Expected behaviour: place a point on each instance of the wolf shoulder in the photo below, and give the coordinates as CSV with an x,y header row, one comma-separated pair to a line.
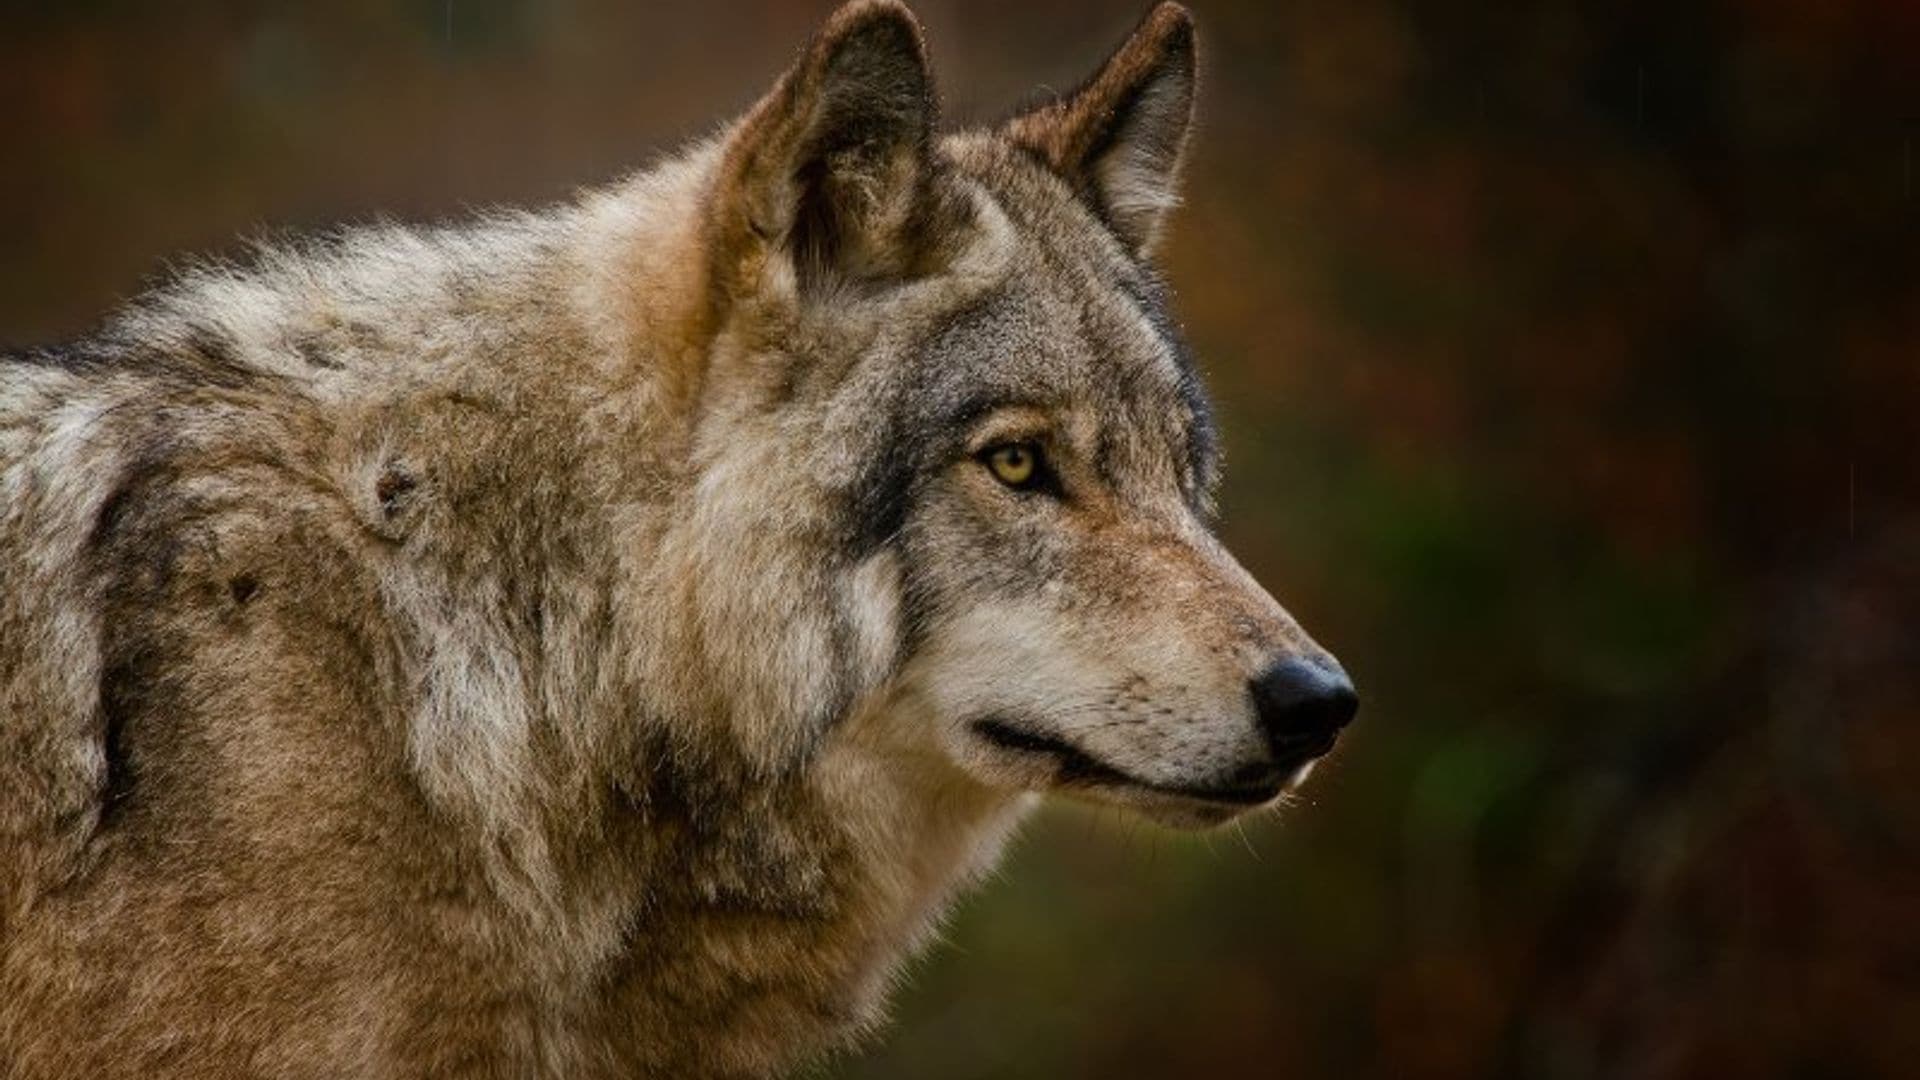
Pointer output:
x,y
231,479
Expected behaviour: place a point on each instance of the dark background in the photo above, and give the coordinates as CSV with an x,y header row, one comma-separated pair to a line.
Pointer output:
x,y
1568,357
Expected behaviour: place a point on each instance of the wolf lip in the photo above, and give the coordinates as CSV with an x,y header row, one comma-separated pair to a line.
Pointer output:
x,y
1077,768
1075,764
1236,796
1291,754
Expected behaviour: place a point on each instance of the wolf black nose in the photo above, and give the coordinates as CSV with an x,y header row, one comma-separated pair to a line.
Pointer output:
x,y
1303,704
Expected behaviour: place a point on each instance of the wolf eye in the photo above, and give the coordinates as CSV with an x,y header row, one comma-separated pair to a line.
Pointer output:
x,y
1016,465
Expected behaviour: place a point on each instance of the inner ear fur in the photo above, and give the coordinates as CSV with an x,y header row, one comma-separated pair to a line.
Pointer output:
x,y
833,170
1121,139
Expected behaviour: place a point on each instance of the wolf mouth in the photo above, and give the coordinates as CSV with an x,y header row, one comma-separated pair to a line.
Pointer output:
x,y
1077,768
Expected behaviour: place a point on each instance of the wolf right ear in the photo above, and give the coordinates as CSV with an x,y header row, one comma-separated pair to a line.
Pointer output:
x,y
832,169
1121,138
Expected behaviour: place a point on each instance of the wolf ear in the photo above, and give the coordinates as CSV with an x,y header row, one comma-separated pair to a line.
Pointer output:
x,y
831,170
1121,138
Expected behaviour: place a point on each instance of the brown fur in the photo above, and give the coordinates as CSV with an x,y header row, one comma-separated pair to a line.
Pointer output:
x,y
562,645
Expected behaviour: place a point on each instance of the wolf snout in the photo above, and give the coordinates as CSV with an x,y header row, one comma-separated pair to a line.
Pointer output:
x,y
1302,704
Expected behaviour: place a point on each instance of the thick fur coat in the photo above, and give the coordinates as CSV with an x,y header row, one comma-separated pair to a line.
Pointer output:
x,y
599,641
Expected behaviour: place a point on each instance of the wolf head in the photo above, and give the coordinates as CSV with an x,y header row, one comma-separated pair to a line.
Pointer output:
x,y
951,451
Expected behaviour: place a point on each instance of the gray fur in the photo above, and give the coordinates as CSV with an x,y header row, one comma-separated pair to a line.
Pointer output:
x,y
588,642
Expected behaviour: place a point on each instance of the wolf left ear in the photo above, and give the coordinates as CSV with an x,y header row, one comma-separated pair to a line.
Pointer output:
x,y
1121,138
832,169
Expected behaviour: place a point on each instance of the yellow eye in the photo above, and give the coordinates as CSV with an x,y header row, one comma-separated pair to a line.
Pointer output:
x,y
1015,463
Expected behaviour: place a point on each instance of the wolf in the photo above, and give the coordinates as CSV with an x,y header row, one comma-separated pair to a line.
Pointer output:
x,y
601,641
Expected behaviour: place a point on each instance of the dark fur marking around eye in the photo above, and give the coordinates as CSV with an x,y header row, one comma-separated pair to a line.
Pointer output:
x,y
883,495
914,441
1045,480
971,410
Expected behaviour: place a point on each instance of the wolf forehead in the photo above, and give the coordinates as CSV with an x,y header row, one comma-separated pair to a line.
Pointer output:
x,y
1071,322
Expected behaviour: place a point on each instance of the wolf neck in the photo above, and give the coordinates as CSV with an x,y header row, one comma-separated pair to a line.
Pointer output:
x,y
762,906
773,918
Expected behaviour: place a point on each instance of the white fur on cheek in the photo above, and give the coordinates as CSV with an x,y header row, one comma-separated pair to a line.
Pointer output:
x,y
1146,701
996,648
1000,660
871,605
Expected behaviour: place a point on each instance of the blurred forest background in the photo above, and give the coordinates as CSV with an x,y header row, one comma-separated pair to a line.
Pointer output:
x,y
1568,355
